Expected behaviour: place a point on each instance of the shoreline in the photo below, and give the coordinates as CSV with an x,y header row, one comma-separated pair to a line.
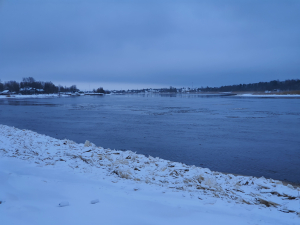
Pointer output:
x,y
285,183
32,96
209,94
45,151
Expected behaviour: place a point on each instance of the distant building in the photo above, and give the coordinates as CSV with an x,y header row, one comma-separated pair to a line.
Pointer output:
x,y
5,92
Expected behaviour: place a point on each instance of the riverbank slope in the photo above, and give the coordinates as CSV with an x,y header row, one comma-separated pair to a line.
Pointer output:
x,y
91,184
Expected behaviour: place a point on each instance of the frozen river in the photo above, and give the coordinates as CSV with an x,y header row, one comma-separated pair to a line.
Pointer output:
x,y
249,136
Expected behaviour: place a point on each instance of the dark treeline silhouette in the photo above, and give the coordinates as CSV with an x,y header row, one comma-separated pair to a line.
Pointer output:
x,y
169,90
99,90
287,85
29,85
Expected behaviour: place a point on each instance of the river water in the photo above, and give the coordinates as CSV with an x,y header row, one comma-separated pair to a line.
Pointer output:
x,y
249,136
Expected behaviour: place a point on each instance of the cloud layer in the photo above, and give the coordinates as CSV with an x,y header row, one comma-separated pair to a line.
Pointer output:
x,y
156,42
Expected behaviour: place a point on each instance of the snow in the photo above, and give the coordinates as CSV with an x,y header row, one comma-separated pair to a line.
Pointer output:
x,y
270,95
33,96
49,181
62,95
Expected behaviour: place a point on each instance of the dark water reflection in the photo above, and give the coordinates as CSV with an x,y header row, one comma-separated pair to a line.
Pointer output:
x,y
250,136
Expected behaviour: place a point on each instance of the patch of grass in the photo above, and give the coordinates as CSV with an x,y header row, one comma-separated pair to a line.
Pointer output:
x,y
123,174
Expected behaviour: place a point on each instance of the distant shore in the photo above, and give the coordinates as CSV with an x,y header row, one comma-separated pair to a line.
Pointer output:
x,y
224,94
33,96
45,95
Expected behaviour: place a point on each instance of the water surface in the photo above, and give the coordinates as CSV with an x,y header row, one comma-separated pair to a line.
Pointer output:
x,y
249,136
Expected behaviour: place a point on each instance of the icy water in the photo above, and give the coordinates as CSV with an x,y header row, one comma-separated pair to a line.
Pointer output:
x,y
249,136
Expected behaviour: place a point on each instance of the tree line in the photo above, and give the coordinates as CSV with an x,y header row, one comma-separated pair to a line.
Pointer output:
x,y
49,87
287,85
29,82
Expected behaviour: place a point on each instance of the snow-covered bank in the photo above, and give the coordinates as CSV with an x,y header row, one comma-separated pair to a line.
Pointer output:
x,y
38,172
270,95
33,96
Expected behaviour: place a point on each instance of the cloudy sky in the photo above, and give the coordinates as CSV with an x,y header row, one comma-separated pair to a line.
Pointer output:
x,y
137,44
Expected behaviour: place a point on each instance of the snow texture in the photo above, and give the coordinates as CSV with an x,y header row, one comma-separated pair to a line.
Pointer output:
x,y
37,170
33,96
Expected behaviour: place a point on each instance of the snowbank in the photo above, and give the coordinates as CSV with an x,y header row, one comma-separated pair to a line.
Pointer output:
x,y
33,96
270,95
37,173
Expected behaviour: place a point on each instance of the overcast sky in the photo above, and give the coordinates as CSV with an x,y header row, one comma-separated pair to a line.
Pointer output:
x,y
137,44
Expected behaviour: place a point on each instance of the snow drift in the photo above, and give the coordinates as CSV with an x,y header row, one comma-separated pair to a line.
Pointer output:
x,y
198,183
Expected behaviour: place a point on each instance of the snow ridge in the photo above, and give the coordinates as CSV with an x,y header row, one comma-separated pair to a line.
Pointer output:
x,y
178,177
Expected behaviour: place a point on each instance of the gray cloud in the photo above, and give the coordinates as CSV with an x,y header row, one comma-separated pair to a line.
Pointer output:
x,y
168,43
